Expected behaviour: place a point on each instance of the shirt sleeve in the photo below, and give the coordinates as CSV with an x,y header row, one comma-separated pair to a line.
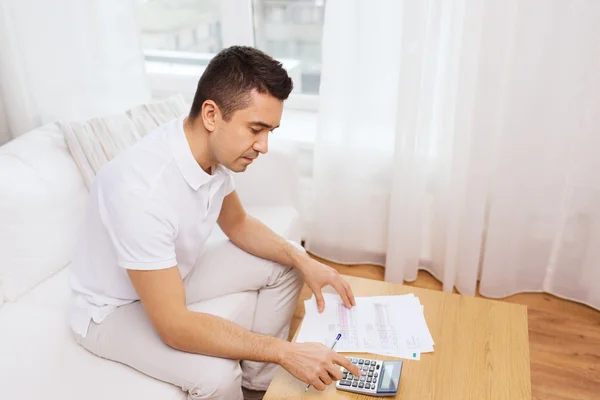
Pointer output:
x,y
141,230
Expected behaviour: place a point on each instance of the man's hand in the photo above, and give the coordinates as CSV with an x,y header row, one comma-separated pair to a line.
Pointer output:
x,y
315,364
252,236
318,275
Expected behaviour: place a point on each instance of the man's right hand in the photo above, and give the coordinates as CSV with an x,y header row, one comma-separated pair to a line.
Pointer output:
x,y
314,363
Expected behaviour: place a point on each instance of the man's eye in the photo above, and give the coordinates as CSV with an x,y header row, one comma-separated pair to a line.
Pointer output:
x,y
255,130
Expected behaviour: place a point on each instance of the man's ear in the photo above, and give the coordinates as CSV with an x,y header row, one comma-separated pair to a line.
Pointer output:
x,y
210,113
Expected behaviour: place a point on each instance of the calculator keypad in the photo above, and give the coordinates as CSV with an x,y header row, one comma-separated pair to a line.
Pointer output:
x,y
367,382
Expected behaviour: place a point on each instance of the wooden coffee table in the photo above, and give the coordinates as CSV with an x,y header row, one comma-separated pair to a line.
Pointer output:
x,y
481,351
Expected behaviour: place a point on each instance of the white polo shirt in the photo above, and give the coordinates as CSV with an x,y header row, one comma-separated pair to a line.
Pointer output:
x,y
152,207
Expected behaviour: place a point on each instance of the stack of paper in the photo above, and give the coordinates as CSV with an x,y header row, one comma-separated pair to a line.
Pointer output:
x,y
389,325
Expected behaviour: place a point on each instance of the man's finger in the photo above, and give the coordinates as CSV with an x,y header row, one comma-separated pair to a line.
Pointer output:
x,y
325,378
320,301
318,384
335,372
350,294
344,362
339,287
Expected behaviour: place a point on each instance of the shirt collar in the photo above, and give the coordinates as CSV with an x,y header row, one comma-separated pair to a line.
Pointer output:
x,y
194,175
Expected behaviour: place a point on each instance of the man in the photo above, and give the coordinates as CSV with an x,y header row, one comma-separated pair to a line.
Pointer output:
x,y
151,211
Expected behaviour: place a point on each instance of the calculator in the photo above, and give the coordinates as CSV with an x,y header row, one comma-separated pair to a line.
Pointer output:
x,y
379,378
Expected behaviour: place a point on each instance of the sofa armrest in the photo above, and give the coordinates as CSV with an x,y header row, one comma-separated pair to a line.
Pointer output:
x,y
42,205
271,180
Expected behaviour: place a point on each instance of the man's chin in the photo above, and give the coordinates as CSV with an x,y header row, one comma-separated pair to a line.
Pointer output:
x,y
236,167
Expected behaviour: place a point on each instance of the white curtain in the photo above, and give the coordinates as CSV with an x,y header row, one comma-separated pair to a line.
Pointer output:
x,y
462,137
67,59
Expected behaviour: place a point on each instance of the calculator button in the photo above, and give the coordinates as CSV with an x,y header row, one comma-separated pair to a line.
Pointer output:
x,y
373,363
373,386
354,384
356,378
354,361
363,378
361,361
370,374
377,366
345,375
345,383
361,385
375,375
372,369
369,380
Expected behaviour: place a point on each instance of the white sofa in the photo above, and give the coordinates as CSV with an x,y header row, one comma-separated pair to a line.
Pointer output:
x,y
42,202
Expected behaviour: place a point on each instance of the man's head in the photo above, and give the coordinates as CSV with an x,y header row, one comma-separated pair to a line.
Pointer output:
x,y
239,100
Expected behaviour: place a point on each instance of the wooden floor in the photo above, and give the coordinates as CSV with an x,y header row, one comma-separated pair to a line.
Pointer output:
x,y
564,338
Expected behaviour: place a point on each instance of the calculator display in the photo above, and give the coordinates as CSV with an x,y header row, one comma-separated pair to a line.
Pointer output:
x,y
389,377
386,379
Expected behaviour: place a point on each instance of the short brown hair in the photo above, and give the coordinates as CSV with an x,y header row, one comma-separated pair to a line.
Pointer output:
x,y
233,73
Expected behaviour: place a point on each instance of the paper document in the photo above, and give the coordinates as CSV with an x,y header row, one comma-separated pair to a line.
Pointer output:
x,y
389,325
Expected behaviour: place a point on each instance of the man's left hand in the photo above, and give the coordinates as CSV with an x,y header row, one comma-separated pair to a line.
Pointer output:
x,y
318,275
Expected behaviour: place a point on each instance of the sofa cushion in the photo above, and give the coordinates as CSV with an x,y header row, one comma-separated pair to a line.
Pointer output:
x,y
95,142
40,358
283,220
42,206
52,294
147,117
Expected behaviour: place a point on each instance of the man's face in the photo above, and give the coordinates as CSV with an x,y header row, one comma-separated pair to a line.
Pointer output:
x,y
237,142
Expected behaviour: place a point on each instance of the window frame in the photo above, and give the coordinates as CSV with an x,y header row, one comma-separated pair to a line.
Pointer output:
x,y
172,72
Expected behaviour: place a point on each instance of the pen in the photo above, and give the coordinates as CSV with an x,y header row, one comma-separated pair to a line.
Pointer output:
x,y
332,346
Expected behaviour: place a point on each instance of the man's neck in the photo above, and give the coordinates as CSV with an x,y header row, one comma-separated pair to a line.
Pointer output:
x,y
197,138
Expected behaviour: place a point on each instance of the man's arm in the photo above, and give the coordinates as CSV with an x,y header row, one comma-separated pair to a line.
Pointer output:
x,y
162,294
251,235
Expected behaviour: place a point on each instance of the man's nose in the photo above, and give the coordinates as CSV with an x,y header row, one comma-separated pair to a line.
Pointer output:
x,y
262,144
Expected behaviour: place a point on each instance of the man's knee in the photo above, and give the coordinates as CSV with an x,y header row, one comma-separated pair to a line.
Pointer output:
x,y
288,277
297,245
222,381
298,277
291,278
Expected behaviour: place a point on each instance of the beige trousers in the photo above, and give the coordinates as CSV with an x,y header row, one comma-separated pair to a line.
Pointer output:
x,y
127,335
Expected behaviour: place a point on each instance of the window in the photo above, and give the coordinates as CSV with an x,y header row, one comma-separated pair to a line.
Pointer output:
x,y
292,29
180,37
180,25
